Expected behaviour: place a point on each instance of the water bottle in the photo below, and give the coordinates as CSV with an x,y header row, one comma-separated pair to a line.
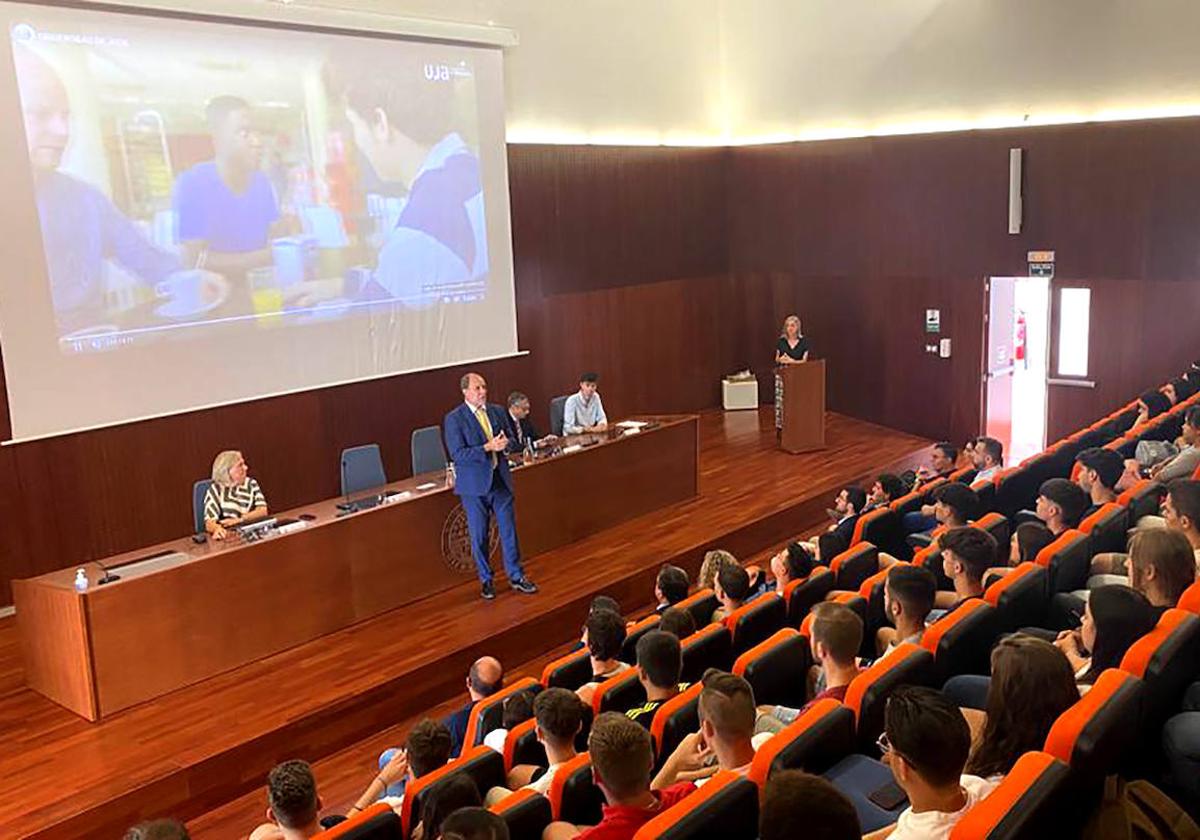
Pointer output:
x,y
450,474
81,580
528,457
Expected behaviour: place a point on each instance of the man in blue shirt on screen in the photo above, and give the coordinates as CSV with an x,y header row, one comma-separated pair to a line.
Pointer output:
x,y
227,207
81,228
403,123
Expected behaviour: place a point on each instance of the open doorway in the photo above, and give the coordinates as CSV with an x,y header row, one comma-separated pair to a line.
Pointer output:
x,y
1016,365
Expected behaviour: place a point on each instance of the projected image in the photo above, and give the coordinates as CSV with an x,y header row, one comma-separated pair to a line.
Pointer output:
x,y
196,184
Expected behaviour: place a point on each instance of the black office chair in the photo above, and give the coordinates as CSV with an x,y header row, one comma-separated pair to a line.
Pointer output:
x,y
558,407
428,454
362,469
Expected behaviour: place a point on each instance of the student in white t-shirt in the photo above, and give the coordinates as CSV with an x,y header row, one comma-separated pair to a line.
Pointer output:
x,y
926,741
559,715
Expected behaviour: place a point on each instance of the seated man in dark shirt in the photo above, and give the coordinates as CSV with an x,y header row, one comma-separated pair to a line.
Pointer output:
x,y
1060,504
659,663
486,677
848,505
670,587
886,489
1099,471
732,588
967,554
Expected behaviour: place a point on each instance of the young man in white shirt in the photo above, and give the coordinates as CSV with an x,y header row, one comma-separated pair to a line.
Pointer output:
x,y
559,716
926,741
584,412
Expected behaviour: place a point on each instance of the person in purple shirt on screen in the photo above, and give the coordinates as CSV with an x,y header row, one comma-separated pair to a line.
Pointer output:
x,y
403,125
227,208
81,229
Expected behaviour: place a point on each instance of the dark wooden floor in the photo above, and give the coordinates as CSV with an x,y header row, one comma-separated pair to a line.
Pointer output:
x,y
201,753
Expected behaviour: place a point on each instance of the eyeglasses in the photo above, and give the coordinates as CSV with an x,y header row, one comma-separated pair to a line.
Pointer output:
x,y
885,746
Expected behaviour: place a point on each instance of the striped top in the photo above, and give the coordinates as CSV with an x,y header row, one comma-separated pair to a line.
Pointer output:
x,y
225,502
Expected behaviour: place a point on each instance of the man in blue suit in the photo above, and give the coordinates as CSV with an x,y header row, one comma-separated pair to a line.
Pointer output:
x,y
476,437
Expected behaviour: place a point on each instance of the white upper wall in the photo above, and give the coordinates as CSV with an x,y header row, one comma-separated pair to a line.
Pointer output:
x,y
720,71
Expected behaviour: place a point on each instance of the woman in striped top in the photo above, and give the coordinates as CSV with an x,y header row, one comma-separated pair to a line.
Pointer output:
x,y
234,496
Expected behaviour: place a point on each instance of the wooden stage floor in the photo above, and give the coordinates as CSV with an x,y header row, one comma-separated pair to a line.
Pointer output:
x,y
202,753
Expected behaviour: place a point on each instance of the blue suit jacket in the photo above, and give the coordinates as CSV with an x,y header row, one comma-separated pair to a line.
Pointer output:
x,y
464,441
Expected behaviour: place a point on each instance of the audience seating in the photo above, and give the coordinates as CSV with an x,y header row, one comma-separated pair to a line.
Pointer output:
x,y
484,765
930,558
1190,599
1029,802
708,647
1107,528
378,822
963,475
526,813
1167,660
854,565
573,794
882,528
817,740
961,641
1142,499
851,599
755,621
701,604
777,669
633,634
996,525
872,591
619,694
1095,735
1020,598
488,713
726,806
1066,561
985,489
521,746
570,671
867,695
802,595
674,719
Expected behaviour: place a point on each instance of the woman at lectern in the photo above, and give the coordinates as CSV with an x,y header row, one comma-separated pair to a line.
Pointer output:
x,y
792,346
234,496
792,349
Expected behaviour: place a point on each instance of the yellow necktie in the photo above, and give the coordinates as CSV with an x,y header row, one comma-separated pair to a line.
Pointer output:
x,y
481,416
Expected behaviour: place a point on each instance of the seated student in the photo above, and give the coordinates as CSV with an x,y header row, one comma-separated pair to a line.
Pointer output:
x,y
1026,542
670,587
726,740
1011,712
846,507
1099,471
908,595
967,554
583,412
516,709
233,498
659,664
1150,404
988,458
837,634
559,714
457,792
954,505
1115,618
1180,512
426,749
678,622
1060,504
713,562
942,460
605,633
1184,463
622,762
293,806
166,829
794,798
927,743
485,678
886,489
793,563
474,824
732,589
1178,389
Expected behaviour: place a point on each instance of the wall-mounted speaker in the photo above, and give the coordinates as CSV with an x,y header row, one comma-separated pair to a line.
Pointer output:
x,y
1015,157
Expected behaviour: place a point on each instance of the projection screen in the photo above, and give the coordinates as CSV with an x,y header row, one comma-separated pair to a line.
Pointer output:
x,y
199,213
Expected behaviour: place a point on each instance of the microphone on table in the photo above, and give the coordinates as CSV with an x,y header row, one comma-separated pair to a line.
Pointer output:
x,y
107,577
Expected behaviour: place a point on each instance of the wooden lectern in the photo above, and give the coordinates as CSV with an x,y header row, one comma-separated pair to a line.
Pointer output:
x,y
803,406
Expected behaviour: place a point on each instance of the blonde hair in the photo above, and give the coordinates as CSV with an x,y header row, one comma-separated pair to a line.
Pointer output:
x,y
788,320
222,464
714,561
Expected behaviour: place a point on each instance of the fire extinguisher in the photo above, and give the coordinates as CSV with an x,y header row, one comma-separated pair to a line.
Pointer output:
x,y
1019,340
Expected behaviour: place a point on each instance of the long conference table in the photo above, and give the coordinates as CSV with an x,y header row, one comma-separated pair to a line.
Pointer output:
x,y
182,612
